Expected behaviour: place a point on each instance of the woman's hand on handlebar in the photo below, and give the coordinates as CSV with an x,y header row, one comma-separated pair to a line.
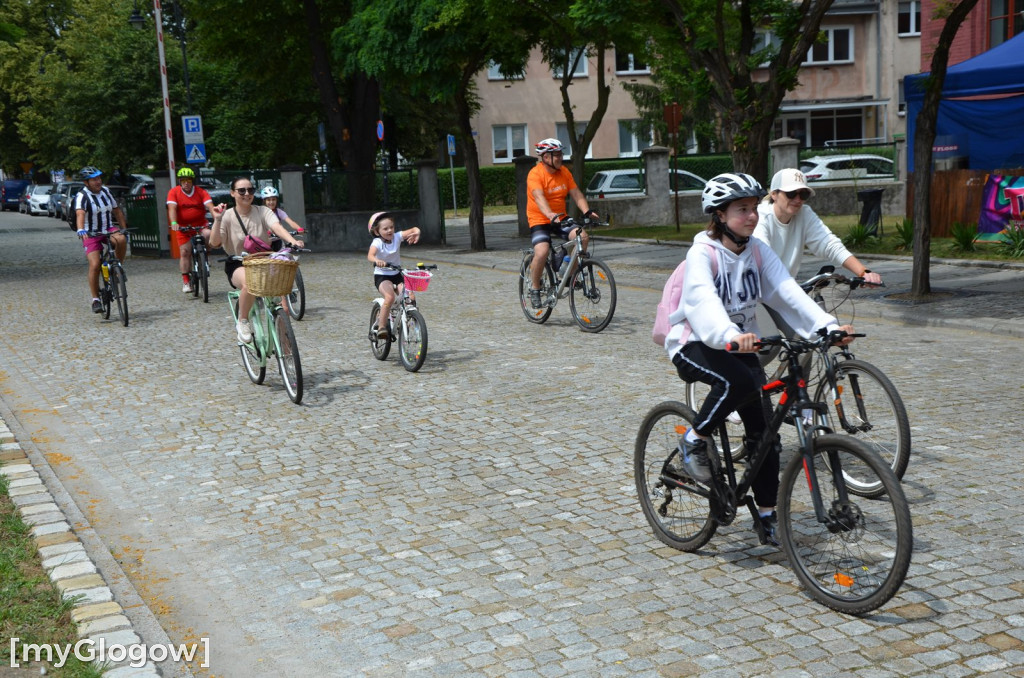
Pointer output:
x,y
743,343
848,338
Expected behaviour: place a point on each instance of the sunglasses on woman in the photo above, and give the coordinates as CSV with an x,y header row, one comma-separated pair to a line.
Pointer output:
x,y
803,193
244,190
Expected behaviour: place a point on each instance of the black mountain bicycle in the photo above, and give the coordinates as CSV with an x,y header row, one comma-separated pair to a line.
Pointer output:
x,y
113,289
199,273
850,553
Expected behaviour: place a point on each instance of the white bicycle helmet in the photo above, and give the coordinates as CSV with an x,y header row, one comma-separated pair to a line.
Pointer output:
x,y
549,146
724,188
269,192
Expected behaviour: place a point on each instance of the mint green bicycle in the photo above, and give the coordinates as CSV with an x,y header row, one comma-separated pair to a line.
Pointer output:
x,y
272,335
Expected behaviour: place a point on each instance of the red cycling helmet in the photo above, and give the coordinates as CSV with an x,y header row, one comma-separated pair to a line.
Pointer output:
x,y
375,218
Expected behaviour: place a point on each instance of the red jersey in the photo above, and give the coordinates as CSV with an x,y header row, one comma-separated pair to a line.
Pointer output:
x,y
191,208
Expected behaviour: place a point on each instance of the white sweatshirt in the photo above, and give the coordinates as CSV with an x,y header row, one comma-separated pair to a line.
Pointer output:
x,y
806,229
717,309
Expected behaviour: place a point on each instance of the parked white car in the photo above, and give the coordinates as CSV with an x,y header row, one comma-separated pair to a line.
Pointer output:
x,y
846,167
39,198
629,183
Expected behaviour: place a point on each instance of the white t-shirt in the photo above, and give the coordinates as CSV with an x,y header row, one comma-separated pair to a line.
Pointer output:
x,y
388,251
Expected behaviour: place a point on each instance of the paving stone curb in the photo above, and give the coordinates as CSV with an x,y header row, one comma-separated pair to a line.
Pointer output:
x,y
64,558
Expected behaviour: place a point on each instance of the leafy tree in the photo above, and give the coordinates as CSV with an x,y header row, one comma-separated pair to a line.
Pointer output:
x,y
720,41
436,47
924,138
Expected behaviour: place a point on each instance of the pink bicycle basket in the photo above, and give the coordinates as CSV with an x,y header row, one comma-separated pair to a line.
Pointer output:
x,y
417,281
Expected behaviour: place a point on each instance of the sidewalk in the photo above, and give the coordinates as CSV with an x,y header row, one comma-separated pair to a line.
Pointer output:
x,y
970,295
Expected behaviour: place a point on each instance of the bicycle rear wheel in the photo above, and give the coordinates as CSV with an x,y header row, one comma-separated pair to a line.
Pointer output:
x,y
120,291
547,279
288,356
252,360
679,516
412,341
857,560
380,346
874,413
592,296
296,301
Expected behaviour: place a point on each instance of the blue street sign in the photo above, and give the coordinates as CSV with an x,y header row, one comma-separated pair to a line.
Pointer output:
x,y
380,130
195,153
451,144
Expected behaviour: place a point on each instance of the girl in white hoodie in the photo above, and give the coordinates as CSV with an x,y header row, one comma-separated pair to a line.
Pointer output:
x,y
717,307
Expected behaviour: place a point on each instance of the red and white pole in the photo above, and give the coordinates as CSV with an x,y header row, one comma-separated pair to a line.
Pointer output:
x,y
158,15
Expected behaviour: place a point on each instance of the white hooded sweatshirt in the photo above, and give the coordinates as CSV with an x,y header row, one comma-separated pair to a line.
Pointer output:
x,y
716,309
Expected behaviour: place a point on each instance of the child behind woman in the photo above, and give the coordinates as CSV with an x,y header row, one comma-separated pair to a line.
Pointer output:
x,y
383,251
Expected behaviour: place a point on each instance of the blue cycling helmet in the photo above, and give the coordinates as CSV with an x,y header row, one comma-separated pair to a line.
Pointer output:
x,y
89,172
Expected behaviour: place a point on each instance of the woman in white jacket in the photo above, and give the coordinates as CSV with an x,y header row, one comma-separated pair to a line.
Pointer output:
x,y
718,306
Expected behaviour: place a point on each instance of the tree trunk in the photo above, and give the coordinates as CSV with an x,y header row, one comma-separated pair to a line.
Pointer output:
x,y
924,138
324,79
581,143
477,241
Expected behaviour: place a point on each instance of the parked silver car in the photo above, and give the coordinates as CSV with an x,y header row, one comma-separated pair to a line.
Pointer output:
x,y
67,196
38,198
846,167
629,183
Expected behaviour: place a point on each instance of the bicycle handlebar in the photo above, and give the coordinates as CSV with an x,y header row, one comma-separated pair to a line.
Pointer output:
x,y
823,279
799,345
419,267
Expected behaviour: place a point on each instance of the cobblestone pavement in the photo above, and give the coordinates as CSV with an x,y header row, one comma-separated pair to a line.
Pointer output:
x,y
478,517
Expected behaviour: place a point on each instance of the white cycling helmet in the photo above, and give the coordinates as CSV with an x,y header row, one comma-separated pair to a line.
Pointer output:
x,y
269,192
724,188
549,146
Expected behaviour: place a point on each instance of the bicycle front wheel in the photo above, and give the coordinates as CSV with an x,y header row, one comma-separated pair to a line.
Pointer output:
x,y
288,356
203,274
106,297
592,296
120,291
547,279
873,412
855,560
296,301
678,514
412,341
380,346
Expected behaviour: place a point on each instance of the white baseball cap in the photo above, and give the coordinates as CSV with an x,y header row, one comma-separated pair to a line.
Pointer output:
x,y
790,180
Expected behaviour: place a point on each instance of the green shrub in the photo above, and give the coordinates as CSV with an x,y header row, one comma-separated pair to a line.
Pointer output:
x,y
1013,239
963,236
858,235
905,234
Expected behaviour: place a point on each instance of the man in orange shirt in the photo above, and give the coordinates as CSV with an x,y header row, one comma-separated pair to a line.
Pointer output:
x,y
547,186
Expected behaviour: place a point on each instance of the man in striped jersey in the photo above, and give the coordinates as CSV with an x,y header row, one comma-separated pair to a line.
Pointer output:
x,y
95,212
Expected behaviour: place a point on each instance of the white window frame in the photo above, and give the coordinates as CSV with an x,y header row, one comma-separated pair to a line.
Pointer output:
x,y
832,60
581,67
506,131
763,39
494,73
562,134
624,129
631,69
915,18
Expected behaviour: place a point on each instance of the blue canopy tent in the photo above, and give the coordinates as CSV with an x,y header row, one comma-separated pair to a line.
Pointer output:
x,y
981,115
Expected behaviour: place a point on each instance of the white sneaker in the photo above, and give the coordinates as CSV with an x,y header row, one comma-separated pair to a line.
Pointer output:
x,y
244,330
734,418
186,288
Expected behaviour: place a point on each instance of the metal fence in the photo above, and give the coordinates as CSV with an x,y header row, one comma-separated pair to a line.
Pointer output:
x,y
342,191
140,211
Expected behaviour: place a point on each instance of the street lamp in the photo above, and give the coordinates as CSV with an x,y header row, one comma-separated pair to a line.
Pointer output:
x,y
138,22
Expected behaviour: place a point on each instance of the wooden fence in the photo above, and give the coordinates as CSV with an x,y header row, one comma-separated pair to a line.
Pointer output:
x,y
956,197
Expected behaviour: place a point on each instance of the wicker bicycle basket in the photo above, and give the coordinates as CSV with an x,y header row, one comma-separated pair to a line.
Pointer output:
x,y
266,277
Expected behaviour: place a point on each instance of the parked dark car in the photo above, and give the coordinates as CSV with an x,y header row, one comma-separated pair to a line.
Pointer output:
x,y
143,188
67,196
53,205
11,191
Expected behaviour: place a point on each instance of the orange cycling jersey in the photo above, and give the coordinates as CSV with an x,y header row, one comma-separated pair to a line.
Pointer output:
x,y
555,185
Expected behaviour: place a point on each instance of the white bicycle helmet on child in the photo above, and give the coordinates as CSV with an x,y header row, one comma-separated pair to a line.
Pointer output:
x,y
724,188
269,192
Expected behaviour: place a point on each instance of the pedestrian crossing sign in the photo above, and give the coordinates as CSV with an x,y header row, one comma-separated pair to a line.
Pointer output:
x,y
195,153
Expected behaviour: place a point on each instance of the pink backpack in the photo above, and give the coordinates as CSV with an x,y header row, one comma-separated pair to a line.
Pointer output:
x,y
674,291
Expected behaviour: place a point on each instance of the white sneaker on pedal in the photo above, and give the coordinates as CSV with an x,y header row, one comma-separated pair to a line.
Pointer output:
x,y
186,288
244,330
734,418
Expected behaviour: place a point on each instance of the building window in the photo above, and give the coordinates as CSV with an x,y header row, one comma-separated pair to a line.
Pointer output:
x,y
629,144
909,21
509,142
628,64
494,73
1006,19
562,132
835,47
836,125
581,65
